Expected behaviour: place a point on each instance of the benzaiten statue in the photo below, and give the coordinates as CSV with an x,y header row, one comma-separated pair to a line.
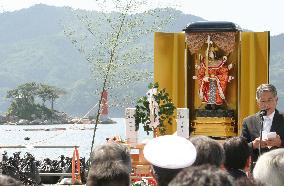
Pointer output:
x,y
213,76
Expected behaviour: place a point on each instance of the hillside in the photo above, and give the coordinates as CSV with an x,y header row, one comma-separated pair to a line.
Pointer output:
x,y
33,47
276,70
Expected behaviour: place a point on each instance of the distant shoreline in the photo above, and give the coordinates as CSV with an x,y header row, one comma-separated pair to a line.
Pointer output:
x,y
69,122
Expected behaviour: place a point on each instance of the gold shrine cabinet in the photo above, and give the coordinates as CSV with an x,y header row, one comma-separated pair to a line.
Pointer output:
x,y
178,58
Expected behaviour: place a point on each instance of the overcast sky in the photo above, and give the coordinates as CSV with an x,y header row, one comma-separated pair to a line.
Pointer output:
x,y
256,15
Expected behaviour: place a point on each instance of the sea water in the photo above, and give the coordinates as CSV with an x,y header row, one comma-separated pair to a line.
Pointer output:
x,y
61,135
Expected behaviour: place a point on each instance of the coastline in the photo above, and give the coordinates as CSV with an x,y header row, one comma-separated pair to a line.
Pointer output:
x,y
22,122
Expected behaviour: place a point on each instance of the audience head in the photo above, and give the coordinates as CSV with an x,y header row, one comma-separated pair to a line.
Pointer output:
x,y
203,175
269,168
168,155
236,153
110,166
209,151
9,181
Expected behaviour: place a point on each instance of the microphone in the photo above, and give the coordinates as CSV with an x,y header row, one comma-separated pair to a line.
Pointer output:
x,y
263,113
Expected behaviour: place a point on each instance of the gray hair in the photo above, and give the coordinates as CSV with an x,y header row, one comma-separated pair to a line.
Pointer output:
x,y
112,152
269,168
202,175
265,87
209,151
9,181
110,165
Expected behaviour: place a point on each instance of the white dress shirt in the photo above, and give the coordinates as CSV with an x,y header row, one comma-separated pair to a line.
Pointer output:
x,y
267,122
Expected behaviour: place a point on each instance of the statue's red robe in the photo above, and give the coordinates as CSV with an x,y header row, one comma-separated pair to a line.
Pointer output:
x,y
213,91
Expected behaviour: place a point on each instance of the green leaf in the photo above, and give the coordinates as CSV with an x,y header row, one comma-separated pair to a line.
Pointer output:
x,y
166,110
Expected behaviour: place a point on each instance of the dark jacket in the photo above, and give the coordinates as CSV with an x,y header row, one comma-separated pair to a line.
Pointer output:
x,y
252,126
236,173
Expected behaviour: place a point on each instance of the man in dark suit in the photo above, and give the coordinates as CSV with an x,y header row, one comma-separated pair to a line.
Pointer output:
x,y
273,121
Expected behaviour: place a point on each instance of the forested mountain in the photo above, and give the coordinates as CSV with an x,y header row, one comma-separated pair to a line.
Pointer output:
x,y
33,47
276,70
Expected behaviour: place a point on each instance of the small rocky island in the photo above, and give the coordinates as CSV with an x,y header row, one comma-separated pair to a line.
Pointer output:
x,y
28,107
59,118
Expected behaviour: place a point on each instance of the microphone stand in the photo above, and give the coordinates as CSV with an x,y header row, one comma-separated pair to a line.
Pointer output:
x,y
260,135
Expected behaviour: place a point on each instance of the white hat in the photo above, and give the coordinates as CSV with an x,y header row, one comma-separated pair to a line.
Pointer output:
x,y
169,151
